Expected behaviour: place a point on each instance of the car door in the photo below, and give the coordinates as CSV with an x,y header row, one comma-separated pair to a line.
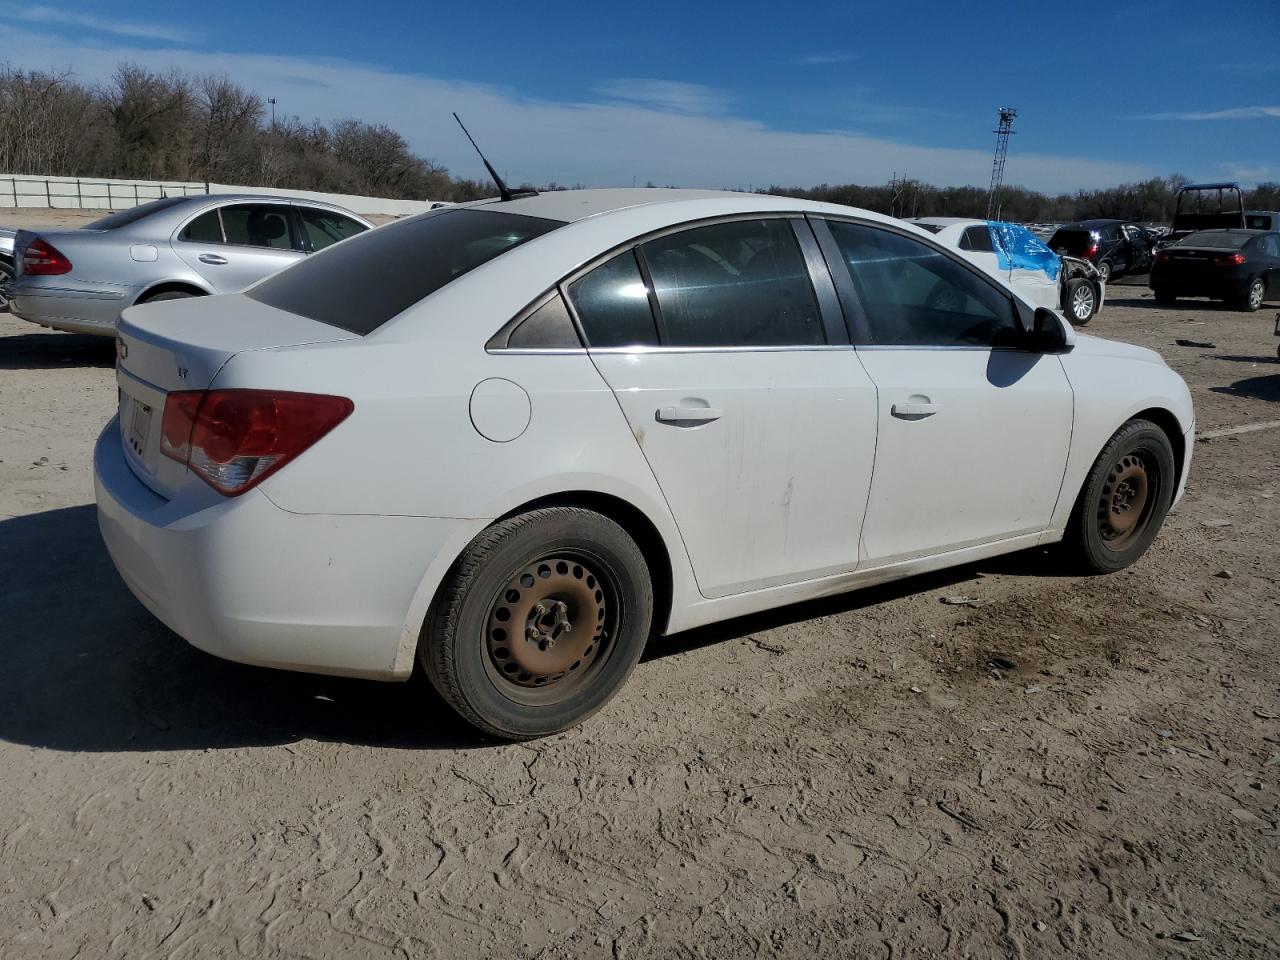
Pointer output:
x,y
973,431
256,240
737,380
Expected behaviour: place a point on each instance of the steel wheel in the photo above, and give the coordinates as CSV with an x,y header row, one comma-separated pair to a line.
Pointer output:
x,y
1082,302
1124,508
546,629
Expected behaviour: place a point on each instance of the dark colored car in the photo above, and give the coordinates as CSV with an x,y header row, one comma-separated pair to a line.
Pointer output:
x,y
1115,247
1238,266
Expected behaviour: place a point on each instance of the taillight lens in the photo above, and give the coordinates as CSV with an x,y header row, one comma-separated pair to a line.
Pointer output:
x,y
1230,260
1090,251
235,439
43,259
1163,256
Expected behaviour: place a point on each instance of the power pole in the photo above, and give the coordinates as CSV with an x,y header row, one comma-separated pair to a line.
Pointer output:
x,y
272,101
1002,132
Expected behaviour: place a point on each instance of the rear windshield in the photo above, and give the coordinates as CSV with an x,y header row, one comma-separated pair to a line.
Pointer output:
x,y
1217,239
123,218
362,283
1071,242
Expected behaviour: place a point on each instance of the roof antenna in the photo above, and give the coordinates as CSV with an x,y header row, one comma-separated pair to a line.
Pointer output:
x,y
504,191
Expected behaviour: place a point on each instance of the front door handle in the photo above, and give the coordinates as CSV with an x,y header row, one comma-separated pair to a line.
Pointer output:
x,y
914,411
212,258
687,415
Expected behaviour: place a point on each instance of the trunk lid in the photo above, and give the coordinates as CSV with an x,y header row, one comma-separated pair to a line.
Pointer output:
x,y
181,345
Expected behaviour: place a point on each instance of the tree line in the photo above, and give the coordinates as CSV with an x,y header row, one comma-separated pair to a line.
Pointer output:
x,y
147,125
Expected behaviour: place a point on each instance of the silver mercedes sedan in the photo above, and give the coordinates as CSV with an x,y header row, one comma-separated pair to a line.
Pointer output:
x,y
80,280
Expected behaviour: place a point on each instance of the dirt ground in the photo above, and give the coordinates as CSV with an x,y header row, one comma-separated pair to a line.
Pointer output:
x,y
847,778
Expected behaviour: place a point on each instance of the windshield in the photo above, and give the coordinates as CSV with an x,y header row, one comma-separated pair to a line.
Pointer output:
x,y
122,218
361,283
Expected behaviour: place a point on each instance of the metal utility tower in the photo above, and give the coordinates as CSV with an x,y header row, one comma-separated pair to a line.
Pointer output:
x,y
1002,132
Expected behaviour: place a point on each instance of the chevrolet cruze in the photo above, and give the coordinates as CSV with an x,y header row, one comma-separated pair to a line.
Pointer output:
x,y
510,440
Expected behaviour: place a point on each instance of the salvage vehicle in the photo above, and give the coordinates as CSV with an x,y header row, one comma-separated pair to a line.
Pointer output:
x,y
1116,247
508,440
1206,206
6,264
1240,267
168,249
1016,255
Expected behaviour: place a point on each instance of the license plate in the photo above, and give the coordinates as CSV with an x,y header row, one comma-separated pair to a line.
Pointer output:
x,y
139,427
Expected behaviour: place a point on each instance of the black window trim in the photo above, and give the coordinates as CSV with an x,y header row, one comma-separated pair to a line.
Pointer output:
x,y
832,322
500,341
859,332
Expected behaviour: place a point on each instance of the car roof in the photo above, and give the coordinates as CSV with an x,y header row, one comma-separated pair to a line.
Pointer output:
x,y
573,205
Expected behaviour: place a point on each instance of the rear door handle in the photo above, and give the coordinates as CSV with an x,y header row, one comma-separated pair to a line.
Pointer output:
x,y
212,258
914,411
685,415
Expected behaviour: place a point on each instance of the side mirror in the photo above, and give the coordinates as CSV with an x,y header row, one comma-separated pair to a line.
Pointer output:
x,y
1047,333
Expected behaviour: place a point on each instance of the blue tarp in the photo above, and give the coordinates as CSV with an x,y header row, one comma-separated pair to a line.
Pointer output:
x,y
1017,246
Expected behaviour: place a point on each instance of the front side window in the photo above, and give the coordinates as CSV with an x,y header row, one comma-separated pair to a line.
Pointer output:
x,y
206,228
613,304
257,225
744,283
359,285
915,295
324,228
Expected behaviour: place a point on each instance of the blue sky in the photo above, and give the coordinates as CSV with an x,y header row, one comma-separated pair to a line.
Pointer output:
x,y
733,94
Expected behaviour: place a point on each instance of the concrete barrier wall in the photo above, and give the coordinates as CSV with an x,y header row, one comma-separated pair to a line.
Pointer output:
x,y
80,193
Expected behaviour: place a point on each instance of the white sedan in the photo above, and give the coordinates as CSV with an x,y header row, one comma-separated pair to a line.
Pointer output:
x,y
1020,258
510,440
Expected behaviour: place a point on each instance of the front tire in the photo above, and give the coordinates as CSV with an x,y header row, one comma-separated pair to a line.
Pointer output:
x,y
1124,501
539,623
1081,301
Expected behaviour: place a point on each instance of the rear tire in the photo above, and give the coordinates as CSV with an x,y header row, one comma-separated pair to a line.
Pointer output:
x,y
169,295
1124,500
1081,301
1253,296
1105,269
495,644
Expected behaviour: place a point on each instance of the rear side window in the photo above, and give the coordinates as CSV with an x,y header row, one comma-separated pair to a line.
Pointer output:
x,y
257,225
914,295
360,285
206,228
324,228
743,283
548,328
977,238
613,304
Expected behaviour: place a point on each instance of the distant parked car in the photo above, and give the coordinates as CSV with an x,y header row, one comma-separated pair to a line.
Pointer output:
x,y
1115,247
1262,220
6,264
1017,256
80,280
1238,266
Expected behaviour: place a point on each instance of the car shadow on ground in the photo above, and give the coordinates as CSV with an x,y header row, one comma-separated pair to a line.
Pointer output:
x,y
1256,388
51,351
86,667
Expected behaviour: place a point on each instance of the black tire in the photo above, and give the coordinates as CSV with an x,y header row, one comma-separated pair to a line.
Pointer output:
x,y
1098,539
470,658
1164,297
1106,270
6,277
1254,294
169,295
1080,301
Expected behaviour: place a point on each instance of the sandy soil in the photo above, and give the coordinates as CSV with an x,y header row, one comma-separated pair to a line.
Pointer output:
x,y
844,778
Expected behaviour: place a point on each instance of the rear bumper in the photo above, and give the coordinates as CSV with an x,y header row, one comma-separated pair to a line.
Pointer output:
x,y
69,306
242,579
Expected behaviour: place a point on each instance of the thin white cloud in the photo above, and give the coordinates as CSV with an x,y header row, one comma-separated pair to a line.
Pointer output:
x,y
58,16
590,142
692,98
1231,113
822,59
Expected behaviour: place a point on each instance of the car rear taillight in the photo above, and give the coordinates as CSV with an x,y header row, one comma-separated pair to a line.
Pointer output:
x,y
1091,251
43,259
1163,256
1229,260
234,439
